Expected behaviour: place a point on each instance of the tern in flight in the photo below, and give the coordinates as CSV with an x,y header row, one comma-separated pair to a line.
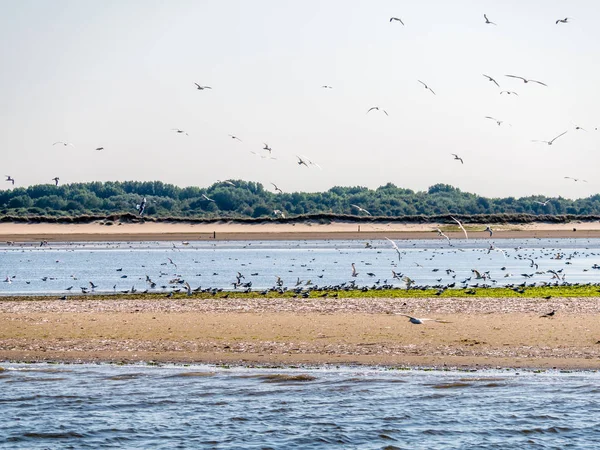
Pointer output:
x,y
234,137
417,321
229,182
541,203
396,19
440,233
565,20
304,160
509,93
457,157
354,272
277,188
98,149
55,179
395,248
488,21
499,122
491,79
551,141
566,178
267,148
426,87
461,227
376,108
178,131
63,143
207,198
525,80
326,87
361,209
10,179
489,230
301,161
201,88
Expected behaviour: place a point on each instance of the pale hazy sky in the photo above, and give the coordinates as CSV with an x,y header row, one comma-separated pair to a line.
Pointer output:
x,y
120,74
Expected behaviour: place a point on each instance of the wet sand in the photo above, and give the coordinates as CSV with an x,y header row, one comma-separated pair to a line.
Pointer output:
x,y
482,332
99,231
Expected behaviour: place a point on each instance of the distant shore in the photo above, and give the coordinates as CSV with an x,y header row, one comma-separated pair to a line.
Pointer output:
x,y
479,333
181,231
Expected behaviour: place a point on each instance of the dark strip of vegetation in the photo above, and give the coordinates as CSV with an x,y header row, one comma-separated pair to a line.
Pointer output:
x,y
243,200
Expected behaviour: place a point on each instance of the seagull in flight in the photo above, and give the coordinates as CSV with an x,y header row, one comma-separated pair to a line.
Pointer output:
x,y
277,188
304,160
361,209
326,87
229,182
426,87
417,321
565,20
487,21
440,233
354,272
234,137
551,141
301,161
567,178
99,149
395,246
396,19
207,198
491,79
525,80
509,93
267,148
178,131
542,203
55,179
10,179
457,157
499,122
201,88
577,128
63,143
376,108
489,230
461,227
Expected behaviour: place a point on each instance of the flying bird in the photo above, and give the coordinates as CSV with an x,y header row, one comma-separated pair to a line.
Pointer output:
x,y
178,131
63,143
457,157
304,160
55,179
426,87
440,233
10,179
567,178
277,188
267,148
207,198
565,20
551,141
461,227
99,149
235,137
509,93
489,230
361,209
301,161
201,88
487,21
396,19
491,79
376,108
229,182
525,80
354,272
541,203
395,246
141,207
499,122
417,321
326,87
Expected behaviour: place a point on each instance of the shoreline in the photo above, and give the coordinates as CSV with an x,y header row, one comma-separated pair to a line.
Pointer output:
x,y
98,231
476,333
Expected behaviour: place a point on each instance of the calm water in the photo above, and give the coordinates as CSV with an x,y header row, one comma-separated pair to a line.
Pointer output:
x,y
53,269
103,406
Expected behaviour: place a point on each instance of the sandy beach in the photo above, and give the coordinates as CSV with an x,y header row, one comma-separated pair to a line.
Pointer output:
x,y
152,231
482,332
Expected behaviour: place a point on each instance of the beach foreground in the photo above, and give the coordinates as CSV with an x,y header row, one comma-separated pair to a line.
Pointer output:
x,y
482,332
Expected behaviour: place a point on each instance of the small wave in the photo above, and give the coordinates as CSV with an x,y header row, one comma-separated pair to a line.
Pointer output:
x,y
192,375
281,377
456,385
33,380
60,435
386,437
545,430
239,419
125,376
38,370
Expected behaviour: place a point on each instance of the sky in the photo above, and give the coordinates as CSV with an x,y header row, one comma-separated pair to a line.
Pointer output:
x,y
121,74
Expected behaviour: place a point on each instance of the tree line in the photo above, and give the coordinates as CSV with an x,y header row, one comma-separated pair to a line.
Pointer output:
x,y
240,199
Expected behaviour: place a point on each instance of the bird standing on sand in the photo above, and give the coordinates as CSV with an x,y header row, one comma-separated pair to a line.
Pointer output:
x,y
417,321
489,230
550,314
55,179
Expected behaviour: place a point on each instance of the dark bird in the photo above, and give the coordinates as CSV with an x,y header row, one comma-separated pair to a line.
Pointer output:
x,y
509,93
326,87
178,131
491,79
235,137
141,207
55,179
426,87
396,19
277,188
99,149
63,143
301,161
10,179
550,314
376,108
267,148
552,140
488,20
499,122
457,157
201,88
565,20
525,80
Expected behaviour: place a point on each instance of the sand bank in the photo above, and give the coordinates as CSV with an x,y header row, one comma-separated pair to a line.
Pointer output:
x,y
483,332
271,231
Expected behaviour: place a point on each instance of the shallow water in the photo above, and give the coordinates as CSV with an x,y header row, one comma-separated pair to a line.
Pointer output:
x,y
31,269
105,406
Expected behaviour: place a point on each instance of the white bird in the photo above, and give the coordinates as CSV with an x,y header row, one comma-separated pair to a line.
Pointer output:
x,y
525,80
201,88
354,272
63,143
551,141
395,246
542,203
457,157
277,188
304,160
396,19
278,212
361,209
491,79
426,87
461,227
420,321
487,21
178,131
565,20
207,198
499,122
376,108
229,182
442,234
